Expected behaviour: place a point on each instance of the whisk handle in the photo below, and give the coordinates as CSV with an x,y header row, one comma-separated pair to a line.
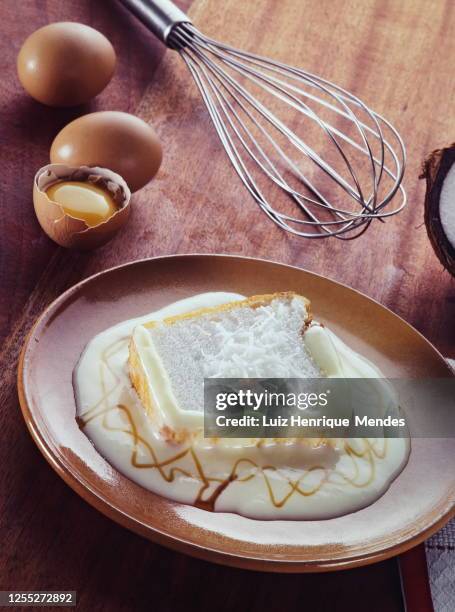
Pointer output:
x,y
159,16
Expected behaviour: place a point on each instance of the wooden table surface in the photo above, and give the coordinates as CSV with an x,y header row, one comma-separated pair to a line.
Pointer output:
x,y
398,56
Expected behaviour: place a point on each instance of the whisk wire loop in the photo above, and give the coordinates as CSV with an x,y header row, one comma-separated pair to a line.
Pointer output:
x,y
337,194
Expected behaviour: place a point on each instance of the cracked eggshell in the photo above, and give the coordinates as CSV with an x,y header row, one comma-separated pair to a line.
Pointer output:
x,y
66,230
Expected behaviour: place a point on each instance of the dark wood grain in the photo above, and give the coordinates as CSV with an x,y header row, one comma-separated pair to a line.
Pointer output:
x,y
416,585
399,58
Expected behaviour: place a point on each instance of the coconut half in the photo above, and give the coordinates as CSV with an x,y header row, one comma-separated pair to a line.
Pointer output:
x,y
439,172
61,227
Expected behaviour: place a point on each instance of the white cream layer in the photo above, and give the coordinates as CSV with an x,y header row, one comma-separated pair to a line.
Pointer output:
x,y
309,479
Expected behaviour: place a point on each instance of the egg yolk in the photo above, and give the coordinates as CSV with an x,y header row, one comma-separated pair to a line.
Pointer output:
x,y
83,201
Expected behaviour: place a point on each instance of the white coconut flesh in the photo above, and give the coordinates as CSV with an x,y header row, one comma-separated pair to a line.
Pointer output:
x,y
447,206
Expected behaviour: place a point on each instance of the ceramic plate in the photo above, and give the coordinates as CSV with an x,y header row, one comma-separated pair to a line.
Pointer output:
x,y
418,502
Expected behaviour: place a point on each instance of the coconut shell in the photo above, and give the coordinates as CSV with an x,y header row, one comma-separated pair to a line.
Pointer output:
x,y
435,170
66,230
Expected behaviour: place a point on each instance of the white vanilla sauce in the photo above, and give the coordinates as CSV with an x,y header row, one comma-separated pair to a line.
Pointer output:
x,y
295,479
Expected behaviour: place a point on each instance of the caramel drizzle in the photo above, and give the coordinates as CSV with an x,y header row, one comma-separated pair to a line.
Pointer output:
x,y
103,409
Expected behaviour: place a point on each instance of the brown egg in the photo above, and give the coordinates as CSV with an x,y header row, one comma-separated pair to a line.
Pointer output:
x,y
110,139
65,64
72,217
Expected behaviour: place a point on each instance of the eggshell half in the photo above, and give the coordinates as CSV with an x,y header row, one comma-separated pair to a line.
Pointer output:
x,y
66,230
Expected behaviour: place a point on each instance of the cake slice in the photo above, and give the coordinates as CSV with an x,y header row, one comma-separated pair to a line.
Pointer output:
x,y
259,337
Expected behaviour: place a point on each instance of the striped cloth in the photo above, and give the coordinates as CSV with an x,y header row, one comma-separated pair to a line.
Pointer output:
x,y
440,552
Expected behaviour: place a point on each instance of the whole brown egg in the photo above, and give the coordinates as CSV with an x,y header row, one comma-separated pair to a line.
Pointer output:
x,y
65,64
110,139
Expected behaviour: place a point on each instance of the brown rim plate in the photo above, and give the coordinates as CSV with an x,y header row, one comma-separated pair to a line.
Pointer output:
x,y
419,502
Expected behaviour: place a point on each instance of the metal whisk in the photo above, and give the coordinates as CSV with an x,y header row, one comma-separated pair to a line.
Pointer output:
x,y
338,177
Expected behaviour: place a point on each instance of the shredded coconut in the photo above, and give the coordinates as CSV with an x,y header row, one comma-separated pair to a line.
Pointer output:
x,y
263,342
